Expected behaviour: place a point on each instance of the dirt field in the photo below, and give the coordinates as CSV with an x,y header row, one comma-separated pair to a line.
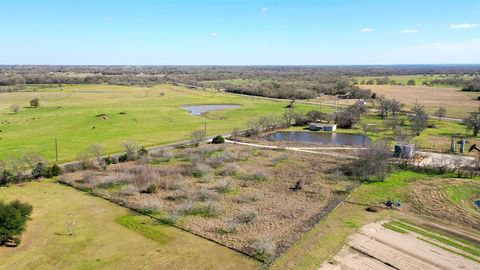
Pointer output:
x,y
430,198
376,247
458,103
253,209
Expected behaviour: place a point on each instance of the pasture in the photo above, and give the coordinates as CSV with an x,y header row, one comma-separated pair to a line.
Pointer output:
x,y
81,115
457,103
107,236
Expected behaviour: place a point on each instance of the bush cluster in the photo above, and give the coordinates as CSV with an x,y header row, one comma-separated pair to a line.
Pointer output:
x,y
13,218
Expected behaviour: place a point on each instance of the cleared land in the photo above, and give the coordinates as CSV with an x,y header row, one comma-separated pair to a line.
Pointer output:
x,y
256,201
458,103
107,236
402,246
326,238
80,115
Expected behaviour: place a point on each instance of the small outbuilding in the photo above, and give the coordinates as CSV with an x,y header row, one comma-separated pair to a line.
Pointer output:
x,y
322,127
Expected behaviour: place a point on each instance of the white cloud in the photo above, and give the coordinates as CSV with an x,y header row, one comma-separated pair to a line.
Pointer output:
x,y
366,30
408,31
462,26
214,34
264,9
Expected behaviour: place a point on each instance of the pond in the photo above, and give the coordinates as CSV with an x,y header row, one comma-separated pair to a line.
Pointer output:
x,y
477,202
318,137
201,109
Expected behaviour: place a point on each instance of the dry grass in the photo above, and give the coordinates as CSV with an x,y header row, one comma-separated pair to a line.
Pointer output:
x,y
458,103
255,199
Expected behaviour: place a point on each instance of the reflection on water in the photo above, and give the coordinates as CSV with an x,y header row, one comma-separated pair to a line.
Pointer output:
x,y
201,109
316,137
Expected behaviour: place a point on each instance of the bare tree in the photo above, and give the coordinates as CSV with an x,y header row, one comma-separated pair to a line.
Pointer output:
x,y
473,122
14,108
372,162
419,119
198,136
130,149
395,107
384,107
441,113
98,150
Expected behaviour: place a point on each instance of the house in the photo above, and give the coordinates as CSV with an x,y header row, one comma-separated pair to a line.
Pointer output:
x,y
323,127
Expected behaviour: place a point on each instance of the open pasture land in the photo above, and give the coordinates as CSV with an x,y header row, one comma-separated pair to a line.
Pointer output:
x,y
419,79
457,103
107,236
256,201
81,115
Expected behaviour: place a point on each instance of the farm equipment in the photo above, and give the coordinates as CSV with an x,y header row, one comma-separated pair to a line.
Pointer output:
x,y
473,147
392,204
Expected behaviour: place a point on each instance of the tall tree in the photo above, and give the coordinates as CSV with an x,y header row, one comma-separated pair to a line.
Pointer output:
x,y
473,122
441,113
418,119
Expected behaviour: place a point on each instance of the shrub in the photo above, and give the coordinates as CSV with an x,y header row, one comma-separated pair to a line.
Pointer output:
x,y
218,139
262,248
163,156
128,190
247,198
170,183
13,219
6,178
150,206
34,103
204,195
177,195
371,163
201,170
205,209
54,170
225,185
130,150
258,176
198,136
142,152
144,178
246,216
230,170
39,171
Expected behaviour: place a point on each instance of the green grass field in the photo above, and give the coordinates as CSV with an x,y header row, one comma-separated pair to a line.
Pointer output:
x,y
69,112
107,236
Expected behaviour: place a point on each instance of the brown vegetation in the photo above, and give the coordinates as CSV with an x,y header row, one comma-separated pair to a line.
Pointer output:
x,y
230,194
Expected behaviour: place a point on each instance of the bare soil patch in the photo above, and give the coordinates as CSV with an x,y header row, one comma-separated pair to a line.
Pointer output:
x,y
376,247
256,201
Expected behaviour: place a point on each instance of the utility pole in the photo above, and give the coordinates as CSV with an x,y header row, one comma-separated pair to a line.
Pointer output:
x,y
56,150
205,126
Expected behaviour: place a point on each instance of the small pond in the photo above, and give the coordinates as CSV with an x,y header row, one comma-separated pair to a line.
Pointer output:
x,y
477,202
201,109
319,137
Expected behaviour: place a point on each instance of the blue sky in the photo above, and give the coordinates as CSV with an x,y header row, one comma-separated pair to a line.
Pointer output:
x,y
239,32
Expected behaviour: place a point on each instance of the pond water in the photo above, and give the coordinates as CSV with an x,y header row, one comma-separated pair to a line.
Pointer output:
x,y
201,109
477,202
319,137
